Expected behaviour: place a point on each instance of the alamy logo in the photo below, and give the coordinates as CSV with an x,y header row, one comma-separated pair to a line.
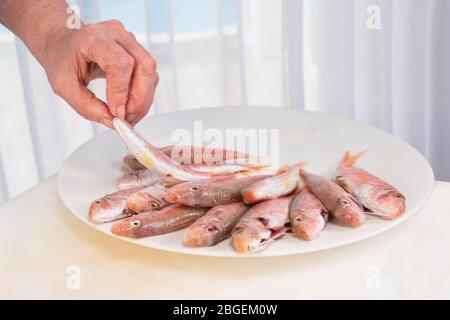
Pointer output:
x,y
261,143
73,20
373,21
73,281
373,281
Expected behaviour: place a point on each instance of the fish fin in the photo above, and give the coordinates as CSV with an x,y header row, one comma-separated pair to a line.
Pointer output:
x,y
356,201
286,167
251,167
349,160
300,186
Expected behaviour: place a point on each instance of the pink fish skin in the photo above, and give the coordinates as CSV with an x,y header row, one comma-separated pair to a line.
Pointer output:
x,y
111,207
308,216
375,194
223,169
138,178
151,157
338,202
215,225
154,223
273,187
262,224
196,155
210,192
148,199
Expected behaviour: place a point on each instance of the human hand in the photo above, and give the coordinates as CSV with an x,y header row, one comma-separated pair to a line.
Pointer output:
x,y
72,58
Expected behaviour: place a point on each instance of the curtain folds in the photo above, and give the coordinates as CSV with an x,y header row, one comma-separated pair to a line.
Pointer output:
x,y
393,77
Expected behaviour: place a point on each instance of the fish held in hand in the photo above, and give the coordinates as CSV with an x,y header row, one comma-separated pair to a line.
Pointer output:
x,y
215,225
210,192
148,199
274,187
375,194
151,157
112,206
132,164
338,202
154,223
262,224
308,216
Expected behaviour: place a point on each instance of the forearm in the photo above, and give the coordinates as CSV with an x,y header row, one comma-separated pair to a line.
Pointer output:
x,y
35,22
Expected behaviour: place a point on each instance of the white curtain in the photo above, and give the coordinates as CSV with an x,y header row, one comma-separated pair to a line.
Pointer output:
x,y
395,77
382,62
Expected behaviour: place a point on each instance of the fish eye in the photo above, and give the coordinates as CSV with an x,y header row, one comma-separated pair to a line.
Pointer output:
x,y
211,228
97,201
135,223
398,195
154,205
344,201
194,188
263,220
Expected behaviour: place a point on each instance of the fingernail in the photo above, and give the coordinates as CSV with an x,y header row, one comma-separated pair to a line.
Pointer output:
x,y
120,112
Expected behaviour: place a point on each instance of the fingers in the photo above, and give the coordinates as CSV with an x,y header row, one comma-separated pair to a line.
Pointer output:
x,y
143,81
130,71
118,66
84,101
138,117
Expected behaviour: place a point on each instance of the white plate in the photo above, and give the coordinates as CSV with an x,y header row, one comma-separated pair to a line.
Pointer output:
x,y
92,170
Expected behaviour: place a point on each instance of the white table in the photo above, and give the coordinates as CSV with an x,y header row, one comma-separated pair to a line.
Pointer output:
x,y
47,253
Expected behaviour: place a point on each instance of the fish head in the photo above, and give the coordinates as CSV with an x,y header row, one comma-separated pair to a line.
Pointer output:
x,y
391,203
107,209
201,235
140,203
130,227
189,193
250,238
348,208
306,227
252,194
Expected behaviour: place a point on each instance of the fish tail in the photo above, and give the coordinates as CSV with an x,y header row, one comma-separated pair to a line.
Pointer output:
x,y
301,165
349,160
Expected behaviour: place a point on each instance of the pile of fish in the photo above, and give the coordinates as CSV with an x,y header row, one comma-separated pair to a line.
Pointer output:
x,y
218,193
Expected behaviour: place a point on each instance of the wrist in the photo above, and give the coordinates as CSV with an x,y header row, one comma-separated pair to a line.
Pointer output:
x,y
41,25
49,43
